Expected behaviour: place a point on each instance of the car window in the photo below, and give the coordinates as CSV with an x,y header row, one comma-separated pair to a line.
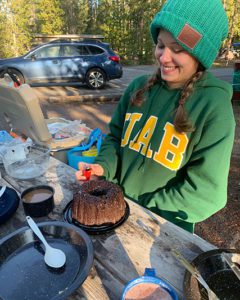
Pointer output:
x,y
48,51
69,50
95,50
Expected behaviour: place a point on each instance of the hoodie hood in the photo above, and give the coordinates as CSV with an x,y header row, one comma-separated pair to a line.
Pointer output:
x,y
208,80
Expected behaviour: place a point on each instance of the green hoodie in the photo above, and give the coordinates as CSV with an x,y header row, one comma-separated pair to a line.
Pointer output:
x,y
181,177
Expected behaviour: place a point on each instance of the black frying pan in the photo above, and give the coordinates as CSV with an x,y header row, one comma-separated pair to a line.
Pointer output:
x,y
216,272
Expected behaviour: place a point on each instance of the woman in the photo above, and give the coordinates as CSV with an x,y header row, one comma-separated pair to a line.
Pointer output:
x,y
171,136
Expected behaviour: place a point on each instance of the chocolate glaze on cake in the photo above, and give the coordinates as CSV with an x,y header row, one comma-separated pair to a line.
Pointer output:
x,y
98,203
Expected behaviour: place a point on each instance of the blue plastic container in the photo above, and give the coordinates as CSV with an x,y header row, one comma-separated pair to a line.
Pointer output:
x,y
150,277
75,156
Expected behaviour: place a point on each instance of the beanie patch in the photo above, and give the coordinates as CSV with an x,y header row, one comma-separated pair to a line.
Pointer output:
x,y
189,36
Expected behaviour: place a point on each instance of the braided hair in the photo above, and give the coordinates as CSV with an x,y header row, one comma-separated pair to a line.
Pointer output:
x,y
181,121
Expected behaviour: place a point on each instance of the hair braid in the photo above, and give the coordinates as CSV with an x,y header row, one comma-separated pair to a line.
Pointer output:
x,y
138,96
181,121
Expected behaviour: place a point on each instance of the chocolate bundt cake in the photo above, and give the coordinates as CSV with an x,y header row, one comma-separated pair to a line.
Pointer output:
x,y
98,203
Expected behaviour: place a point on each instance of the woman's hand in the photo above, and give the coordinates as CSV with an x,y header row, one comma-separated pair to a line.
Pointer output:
x,y
95,169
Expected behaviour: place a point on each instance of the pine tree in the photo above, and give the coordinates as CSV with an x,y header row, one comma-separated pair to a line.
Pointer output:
x,y
49,17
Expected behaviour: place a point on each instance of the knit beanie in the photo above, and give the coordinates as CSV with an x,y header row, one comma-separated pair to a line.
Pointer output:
x,y
199,26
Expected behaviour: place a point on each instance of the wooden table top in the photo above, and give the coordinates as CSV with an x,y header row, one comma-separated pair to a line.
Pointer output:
x,y
144,240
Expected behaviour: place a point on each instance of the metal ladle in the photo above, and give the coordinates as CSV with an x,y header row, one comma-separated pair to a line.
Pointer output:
x,y
53,257
195,273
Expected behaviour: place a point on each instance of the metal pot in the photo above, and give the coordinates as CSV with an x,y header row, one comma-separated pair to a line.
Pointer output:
x,y
216,272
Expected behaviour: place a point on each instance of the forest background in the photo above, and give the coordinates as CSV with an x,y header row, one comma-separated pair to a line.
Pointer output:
x,y
123,23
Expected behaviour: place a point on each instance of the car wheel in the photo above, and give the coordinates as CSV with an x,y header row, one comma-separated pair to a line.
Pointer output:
x,y
96,78
18,76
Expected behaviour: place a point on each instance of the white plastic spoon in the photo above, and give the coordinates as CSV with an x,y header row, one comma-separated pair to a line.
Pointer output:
x,y
2,190
53,257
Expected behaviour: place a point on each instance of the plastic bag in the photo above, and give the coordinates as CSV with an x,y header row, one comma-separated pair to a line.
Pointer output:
x,y
9,142
68,129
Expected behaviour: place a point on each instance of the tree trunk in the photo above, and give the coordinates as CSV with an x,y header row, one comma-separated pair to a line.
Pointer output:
x,y
229,55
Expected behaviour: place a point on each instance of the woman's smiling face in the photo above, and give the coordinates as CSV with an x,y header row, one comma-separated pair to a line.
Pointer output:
x,y
177,65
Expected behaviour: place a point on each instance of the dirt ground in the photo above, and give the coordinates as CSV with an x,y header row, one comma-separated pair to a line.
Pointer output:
x,y
223,228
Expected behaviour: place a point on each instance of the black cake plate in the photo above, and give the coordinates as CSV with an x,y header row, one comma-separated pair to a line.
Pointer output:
x,y
101,229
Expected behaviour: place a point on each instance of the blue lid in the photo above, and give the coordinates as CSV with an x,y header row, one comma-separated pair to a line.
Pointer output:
x,y
5,137
8,204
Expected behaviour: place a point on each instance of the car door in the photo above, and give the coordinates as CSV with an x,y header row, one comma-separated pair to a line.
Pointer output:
x,y
44,64
74,63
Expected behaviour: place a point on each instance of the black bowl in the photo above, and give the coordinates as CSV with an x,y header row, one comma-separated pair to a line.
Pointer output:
x,y
216,272
23,272
38,200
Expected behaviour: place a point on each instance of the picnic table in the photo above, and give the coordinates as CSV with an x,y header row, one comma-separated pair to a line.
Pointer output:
x,y
143,240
